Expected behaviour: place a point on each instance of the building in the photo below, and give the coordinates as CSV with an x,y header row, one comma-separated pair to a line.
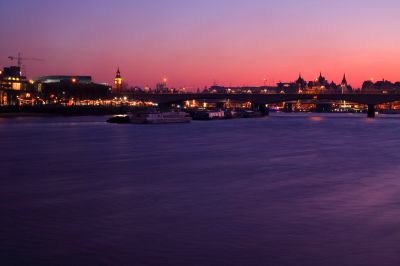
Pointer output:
x,y
54,81
162,87
64,88
59,79
288,87
322,85
319,85
12,84
383,86
344,86
301,84
118,82
11,79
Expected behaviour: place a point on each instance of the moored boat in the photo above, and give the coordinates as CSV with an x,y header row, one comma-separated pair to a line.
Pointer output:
x,y
152,118
161,118
119,119
208,115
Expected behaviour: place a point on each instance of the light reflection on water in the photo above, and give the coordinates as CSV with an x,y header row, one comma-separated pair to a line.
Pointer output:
x,y
299,189
316,118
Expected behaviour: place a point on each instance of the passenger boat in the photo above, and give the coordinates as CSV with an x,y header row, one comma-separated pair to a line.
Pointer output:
x,y
119,119
152,118
208,115
161,118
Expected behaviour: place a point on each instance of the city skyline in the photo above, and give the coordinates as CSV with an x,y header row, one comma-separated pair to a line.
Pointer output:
x,y
197,43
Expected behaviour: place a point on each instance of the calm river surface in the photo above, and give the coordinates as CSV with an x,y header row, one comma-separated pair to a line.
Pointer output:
x,y
284,190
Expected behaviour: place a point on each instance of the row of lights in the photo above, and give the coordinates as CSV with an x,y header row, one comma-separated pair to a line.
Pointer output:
x,y
12,78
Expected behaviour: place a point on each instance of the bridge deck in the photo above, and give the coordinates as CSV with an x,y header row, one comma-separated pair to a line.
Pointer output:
x,y
367,99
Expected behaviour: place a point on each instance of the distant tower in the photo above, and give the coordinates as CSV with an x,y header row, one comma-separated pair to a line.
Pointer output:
x,y
301,83
321,78
118,81
300,78
344,81
343,85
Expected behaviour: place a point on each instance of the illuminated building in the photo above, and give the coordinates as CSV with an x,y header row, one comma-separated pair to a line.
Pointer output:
x,y
320,85
12,84
287,87
11,79
301,83
118,82
383,86
63,78
162,87
63,88
344,85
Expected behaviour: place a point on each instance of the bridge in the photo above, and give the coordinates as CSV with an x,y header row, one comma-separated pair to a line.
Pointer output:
x,y
260,100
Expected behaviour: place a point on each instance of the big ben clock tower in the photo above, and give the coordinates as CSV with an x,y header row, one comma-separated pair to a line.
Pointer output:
x,y
118,81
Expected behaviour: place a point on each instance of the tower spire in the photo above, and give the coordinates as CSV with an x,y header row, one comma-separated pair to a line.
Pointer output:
x,y
344,80
300,78
321,78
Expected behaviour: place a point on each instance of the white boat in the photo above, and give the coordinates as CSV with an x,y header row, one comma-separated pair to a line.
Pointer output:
x,y
160,118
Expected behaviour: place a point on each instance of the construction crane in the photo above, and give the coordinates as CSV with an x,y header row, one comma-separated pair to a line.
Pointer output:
x,y
19,59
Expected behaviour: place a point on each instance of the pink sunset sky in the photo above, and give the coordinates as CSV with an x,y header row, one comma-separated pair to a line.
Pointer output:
x,y
195,43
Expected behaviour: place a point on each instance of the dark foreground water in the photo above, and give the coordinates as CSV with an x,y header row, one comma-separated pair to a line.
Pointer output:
x,y
284,190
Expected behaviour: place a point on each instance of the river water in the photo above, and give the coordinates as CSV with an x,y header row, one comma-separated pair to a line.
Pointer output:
x,y
284,190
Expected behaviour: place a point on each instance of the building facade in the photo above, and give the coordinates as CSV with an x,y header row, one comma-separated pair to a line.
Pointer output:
x,y
12,85
64,88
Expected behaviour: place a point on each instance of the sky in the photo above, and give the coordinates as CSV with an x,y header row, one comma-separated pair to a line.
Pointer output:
x,y
196,43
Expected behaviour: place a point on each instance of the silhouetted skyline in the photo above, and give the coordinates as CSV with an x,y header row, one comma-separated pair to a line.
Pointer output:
x,y
197,43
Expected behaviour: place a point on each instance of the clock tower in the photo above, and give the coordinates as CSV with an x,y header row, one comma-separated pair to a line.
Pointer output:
x,y
118,81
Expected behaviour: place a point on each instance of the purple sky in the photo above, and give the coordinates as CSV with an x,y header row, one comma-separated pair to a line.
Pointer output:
x,y
196,42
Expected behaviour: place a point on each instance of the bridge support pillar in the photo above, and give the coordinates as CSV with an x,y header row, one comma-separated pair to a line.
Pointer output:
x,y
371,110
164,107
220,105
262,108
288,108
323,107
